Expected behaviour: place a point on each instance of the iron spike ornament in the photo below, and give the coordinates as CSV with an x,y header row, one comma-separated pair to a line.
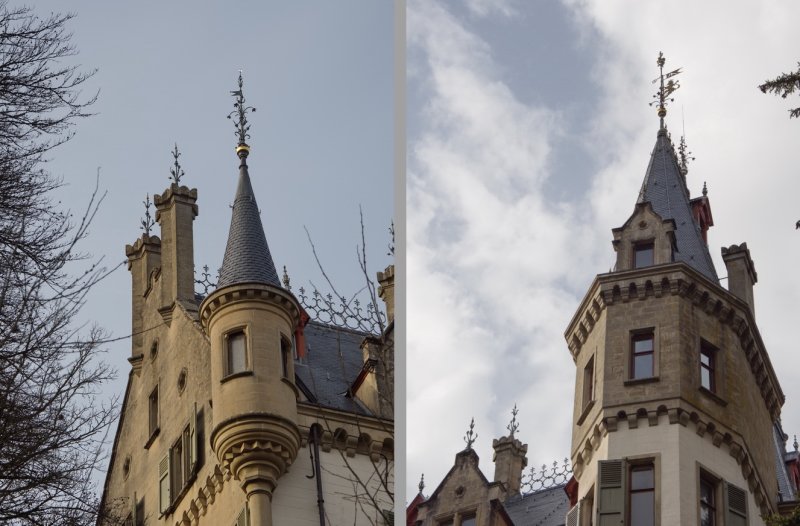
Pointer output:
x,y
422,482
240,112
685,156
662,96
286,282
513,427
471,436
147,222
176,172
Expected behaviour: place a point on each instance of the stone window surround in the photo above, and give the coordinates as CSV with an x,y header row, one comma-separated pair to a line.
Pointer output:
x,y
653,459
154,422
714,480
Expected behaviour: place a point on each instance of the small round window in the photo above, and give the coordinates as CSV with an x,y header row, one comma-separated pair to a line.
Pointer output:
x,y
126,467
182,380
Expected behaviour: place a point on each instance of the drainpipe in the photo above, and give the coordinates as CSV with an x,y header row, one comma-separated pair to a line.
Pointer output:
x,y
315,438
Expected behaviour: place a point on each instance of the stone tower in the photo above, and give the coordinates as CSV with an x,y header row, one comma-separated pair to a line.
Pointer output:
x,y
676,401
250,320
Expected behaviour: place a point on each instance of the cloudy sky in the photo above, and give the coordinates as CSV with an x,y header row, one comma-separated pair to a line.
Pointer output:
x,y
529,133
320,76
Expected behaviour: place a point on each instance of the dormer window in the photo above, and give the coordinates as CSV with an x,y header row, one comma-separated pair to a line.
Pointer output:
x,y
643,254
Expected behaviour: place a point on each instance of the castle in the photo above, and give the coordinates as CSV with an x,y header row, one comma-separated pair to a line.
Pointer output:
x,y
676,411
240,408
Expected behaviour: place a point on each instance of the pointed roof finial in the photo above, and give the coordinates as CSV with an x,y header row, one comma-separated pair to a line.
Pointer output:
x,y
471,436
176,172
705,189
664,91
421,483
514,425
795,443
242,127
286,283
147,222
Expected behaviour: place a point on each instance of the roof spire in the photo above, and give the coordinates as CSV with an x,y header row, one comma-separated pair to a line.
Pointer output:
x,y
247,257
664,91
242,127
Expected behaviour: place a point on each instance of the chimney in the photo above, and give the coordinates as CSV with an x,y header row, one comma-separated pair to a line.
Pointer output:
x,y
741,273
509,461
386,290
175,211
144,256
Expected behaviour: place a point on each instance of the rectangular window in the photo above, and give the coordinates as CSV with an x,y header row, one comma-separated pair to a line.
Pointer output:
x,y
236,353
179,467
642,495
468,521
588,382
286,356
153,405
708,367
708,501
643,254
642,355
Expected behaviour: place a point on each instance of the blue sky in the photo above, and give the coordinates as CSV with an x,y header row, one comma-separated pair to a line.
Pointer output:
x,y
529,134
320,76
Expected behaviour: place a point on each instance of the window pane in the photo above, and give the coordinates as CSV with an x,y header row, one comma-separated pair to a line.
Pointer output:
x,y
705,359
236,353
642,478
470,521
642,509
643,255
705,378
643,366
643,344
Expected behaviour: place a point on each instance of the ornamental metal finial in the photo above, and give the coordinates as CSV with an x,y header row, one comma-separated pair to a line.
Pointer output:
x,y
705,189
286,283
665,90
421,483
147,222
471,436
242,127
685,156
176,172
795,443
514,425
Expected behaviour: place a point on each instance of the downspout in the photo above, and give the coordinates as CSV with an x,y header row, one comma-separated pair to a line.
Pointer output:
x,y
318,473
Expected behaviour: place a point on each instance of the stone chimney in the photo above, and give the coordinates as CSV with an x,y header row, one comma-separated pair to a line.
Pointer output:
x,y
176,208
509,461
386,290
144,256
741,273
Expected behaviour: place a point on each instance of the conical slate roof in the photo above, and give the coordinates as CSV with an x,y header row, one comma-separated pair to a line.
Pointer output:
x,y
665,188
247,257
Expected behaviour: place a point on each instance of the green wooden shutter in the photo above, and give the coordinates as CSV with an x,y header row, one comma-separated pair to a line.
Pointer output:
x,y
611,478
574,515
735,505
163,484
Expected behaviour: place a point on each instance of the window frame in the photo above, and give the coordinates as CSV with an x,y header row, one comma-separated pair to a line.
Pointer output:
x,y
640,466
713,482
287,358
588,384
708,350
181,464
227,364
641,335
153,416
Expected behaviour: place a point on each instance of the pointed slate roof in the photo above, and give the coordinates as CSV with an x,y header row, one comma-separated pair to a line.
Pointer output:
x,y
665,188
247,256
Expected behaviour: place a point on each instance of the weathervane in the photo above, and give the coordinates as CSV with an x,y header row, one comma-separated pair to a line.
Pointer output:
x,y
240,111
514,425
471,436
147,222
176,171
665,90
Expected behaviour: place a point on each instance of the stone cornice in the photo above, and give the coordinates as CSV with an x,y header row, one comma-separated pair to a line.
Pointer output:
x,y
609,422
243,292
679,279
349,433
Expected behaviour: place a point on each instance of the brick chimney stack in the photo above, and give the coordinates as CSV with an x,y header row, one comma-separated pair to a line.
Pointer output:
x,y
741,273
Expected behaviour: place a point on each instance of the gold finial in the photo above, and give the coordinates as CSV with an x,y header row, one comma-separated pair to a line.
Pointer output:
x,y
242,127
665,90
